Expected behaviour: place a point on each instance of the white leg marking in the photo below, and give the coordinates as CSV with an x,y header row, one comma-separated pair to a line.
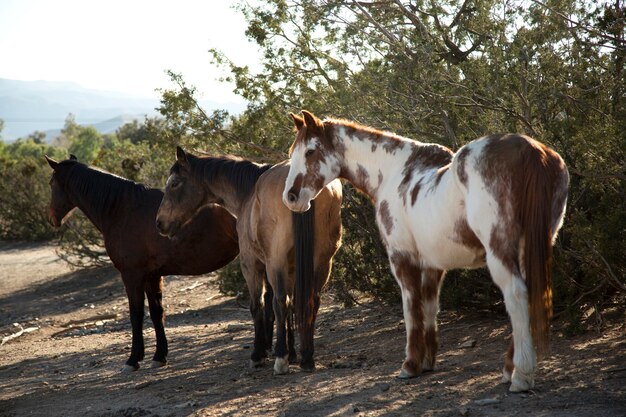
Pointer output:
x,y
516,301
281,366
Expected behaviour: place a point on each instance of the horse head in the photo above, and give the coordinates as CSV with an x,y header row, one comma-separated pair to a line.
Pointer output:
x,y
182,198
61,204
314,162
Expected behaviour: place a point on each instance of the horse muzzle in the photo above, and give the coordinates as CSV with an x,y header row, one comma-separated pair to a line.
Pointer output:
x,y
296,204
167,230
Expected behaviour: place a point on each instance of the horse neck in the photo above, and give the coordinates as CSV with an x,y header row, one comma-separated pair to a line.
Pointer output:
x,y
232,187
89,197
370,158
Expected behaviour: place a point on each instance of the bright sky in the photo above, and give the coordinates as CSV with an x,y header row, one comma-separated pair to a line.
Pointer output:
x,y
123,45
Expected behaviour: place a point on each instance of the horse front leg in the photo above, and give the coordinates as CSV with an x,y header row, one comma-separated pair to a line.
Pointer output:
x,y
408,276
154,292
135,291
281,311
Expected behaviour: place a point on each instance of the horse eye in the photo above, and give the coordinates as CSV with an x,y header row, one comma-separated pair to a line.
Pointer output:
x,y
309,152
176,184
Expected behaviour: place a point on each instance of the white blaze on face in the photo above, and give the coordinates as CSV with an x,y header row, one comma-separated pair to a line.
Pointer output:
x,y
298,172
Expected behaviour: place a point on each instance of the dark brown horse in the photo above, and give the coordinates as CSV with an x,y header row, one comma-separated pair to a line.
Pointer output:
x,y
293,250
124,212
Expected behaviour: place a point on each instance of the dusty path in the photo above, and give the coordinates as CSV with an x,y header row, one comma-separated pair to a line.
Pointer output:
x,y
358,351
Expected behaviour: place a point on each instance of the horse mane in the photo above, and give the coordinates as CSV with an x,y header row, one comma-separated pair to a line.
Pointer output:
x,y
99,187
242,174
362,129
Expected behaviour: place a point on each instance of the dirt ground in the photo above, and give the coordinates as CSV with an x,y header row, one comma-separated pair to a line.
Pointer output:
x,y
62,370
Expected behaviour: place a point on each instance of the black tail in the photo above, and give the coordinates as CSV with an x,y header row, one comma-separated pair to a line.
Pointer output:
x,y
304,303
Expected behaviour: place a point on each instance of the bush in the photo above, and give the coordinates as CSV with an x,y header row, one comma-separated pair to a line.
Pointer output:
x,y
24,197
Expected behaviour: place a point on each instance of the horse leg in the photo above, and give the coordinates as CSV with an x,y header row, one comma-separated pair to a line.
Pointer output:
x,y
291,341
507,371
431,283
516,301
281,361
268,306
408,276
154,292
135,291
254,273
322,272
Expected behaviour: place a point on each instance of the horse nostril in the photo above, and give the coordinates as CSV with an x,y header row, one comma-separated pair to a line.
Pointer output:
x,y
292,198
159,224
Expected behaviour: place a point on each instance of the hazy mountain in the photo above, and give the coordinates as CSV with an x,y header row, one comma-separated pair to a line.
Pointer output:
x,y
28,106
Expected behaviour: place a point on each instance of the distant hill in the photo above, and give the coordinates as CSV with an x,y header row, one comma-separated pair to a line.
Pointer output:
x,y
29,106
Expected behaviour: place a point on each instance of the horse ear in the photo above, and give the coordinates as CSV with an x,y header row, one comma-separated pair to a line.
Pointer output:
x,y
73,157
310,120
53,164
299,121
181,156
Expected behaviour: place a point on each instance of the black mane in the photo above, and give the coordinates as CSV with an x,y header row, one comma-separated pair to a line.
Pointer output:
x,y
241,173
101,189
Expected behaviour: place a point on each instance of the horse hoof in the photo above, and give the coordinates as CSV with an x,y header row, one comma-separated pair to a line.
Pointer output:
x,y
158,364
506,375
281,366
307,367
405,375
428,365
127,369
521,382
257,364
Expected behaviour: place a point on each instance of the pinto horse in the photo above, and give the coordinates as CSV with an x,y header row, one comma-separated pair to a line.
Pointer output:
x,y
499,201
124,211
294,251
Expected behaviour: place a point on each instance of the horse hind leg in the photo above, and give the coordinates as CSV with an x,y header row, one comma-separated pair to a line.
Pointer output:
x,y
524,360
134,286
268,315
431,284
291,341
307,342
507,370
408,276
154,292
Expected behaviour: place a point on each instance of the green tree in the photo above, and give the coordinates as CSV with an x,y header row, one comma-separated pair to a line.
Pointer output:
x,y
86,143
445,72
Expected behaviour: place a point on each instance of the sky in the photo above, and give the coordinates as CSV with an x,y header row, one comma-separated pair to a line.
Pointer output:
x,y
123,45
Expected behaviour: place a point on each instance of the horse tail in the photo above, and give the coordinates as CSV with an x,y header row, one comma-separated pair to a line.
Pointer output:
x,y
543,182
304,243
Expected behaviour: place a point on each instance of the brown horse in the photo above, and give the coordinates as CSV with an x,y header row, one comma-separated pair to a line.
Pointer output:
x,y
124,211
273,241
